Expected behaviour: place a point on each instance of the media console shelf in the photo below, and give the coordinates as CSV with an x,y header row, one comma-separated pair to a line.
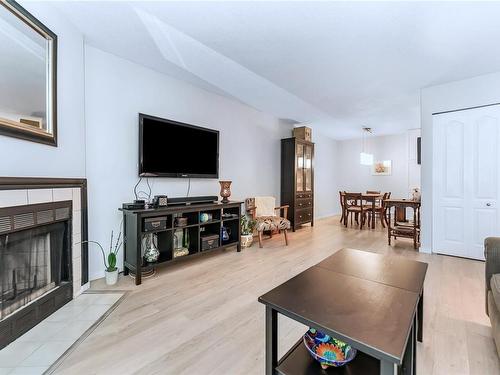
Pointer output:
x,y
140,223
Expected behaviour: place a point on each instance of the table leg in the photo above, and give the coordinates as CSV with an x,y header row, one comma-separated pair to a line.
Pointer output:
x,y
420,317
271,340
386,368
373,214
138,275
409,365
415,327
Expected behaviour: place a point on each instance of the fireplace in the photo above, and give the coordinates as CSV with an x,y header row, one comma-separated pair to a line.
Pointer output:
x,y
35,265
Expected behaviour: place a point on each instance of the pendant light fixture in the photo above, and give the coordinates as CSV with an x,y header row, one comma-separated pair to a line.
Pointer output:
x,y
364,157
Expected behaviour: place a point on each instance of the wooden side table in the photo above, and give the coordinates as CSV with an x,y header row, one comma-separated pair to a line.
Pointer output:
x,y
335,302
399,226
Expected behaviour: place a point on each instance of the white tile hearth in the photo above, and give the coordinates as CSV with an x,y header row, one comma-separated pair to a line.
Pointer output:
x,y
63,194
9,198
39,196
35,351
77,199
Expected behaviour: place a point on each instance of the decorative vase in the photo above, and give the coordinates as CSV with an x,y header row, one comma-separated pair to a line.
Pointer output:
x,y
225,190
151,254
225,233
178,239
246,240
111,277
185,239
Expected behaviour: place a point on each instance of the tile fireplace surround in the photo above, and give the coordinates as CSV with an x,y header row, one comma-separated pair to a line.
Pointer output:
x,y
27,191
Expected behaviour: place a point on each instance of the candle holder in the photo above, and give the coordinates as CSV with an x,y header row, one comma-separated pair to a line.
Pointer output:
x,y
225,190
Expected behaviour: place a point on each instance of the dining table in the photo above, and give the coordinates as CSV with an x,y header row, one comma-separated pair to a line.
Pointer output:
x,y
372,198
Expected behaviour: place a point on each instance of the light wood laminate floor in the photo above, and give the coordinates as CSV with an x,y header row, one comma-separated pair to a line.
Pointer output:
x,y
202,316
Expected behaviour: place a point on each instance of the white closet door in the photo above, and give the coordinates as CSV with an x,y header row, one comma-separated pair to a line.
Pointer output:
x,y
466,180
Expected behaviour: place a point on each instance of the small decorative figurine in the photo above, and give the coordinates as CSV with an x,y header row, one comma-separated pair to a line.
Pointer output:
x,y
415,194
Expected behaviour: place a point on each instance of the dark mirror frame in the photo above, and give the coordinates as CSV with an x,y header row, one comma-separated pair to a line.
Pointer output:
x,y
40,28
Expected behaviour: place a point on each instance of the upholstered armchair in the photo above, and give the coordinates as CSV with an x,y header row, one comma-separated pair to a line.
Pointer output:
x,y
267,216
492,285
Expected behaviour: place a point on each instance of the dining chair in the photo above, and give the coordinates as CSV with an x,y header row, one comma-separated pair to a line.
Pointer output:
x,y
342,206
353,206
377,201
380,210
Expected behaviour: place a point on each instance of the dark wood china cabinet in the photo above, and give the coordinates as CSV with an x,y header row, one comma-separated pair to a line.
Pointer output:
x,y
297,180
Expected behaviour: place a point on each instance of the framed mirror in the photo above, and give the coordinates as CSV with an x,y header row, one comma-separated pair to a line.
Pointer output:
x,y
28,57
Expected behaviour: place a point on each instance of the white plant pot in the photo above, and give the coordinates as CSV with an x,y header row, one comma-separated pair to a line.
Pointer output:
x,y
246,240
111,277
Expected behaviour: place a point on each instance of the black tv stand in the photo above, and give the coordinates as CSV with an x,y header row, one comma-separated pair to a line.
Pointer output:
x,y
223,215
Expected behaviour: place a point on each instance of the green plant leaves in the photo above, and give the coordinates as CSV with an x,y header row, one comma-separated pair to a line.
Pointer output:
x,y
111,262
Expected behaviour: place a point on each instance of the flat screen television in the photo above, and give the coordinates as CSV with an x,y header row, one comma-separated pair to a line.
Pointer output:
x,y
170,148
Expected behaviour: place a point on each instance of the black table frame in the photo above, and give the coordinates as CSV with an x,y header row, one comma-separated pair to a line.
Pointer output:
x,y
406,275
407,367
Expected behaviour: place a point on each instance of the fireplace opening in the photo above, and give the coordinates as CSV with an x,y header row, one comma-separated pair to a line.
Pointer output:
x,y
35,265
32,262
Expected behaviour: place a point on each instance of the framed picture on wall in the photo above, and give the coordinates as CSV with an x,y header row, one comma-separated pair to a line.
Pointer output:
x,y
28,70
382,168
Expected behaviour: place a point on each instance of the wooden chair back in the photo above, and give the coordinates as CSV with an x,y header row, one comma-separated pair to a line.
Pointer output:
x,y
372,192
353,200
385,197
265,206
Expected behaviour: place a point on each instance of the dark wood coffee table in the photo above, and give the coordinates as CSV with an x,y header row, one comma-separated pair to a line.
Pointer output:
x,y
368,300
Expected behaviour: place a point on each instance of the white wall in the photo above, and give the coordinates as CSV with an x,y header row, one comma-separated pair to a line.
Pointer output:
x,y
22,158
467,93
414,172
326,176
357,177
99,96
117,90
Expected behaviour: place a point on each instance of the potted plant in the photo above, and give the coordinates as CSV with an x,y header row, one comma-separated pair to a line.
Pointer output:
x,y
247,228
110,269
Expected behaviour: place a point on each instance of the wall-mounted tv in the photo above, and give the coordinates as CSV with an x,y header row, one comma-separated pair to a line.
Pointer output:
x,y
170,148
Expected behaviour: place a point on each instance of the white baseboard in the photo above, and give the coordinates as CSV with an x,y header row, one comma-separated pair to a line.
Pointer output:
x,y
425,250
326,216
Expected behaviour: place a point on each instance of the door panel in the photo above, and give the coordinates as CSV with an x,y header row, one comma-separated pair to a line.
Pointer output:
x,y
486,169
454,159
485,216
485,224
466,180
454,225
449,177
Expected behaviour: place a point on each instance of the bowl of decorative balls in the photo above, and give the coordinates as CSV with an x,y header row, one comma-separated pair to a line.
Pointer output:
x,y
328,351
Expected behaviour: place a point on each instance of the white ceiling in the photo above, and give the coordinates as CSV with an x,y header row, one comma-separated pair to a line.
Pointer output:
x,y
336,65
